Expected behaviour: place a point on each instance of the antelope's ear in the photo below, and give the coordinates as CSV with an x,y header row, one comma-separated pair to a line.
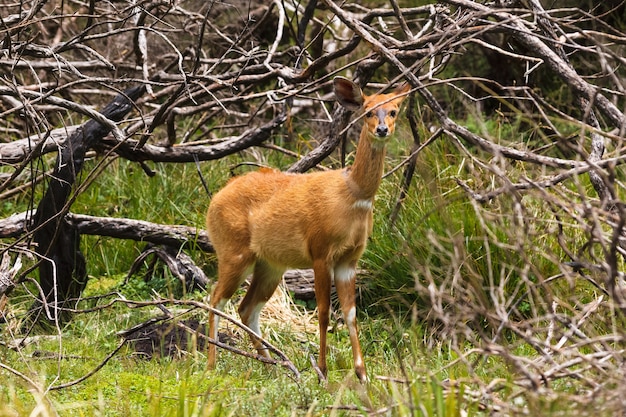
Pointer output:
x,y
403,88
401,91
348,94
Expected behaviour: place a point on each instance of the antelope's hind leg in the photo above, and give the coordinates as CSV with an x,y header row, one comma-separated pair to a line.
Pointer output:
x,y
322,285
265,279
231,274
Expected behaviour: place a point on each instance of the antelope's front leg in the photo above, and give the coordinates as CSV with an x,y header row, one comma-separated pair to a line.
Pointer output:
x,y
345,283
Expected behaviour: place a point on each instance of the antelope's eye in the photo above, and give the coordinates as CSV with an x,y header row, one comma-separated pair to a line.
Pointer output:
x,y
369,114
393,113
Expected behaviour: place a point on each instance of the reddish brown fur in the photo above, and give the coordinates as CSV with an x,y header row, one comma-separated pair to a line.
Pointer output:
x,y
267,221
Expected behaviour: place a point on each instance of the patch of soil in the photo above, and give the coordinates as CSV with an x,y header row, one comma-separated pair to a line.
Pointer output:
x,y
167,339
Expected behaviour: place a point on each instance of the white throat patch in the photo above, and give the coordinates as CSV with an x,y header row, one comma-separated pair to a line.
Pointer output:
x,y
363,205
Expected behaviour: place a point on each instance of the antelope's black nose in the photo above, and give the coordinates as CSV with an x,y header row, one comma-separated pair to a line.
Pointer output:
x,y
382,130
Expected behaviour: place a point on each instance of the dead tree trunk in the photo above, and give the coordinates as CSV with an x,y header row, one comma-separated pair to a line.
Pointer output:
x,y
62,270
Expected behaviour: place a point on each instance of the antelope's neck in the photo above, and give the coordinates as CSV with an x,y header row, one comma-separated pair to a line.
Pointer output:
x,y
365,174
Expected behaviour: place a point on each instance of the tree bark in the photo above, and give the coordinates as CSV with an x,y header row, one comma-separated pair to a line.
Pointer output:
x,y
62,268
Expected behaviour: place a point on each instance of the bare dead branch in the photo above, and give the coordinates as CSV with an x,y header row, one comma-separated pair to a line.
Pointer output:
x,y
139,230
132,150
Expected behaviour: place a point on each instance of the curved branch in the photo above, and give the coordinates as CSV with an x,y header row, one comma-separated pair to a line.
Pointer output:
x,y
191,153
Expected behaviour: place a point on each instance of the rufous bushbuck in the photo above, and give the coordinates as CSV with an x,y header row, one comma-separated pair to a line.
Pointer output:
x,y
264,222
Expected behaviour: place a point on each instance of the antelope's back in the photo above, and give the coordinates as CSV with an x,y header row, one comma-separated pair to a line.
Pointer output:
x,y
229,209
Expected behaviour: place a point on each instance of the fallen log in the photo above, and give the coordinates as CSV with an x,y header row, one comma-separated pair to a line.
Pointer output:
x,y
300,282
159,234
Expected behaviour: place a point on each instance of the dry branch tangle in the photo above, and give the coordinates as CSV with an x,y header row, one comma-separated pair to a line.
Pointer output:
x,y
534,42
